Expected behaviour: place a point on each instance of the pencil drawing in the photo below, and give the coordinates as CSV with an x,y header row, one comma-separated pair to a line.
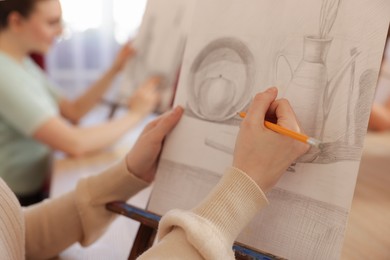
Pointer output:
x,y
367,84
350,112
312,92
222,141
328,14
331,90
220,82
349,145
175,178
221,79
326,59
321,225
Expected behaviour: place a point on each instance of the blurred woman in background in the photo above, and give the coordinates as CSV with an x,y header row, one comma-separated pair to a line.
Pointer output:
x,y
34,117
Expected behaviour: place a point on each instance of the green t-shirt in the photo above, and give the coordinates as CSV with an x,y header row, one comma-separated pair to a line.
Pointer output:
x,y
27,100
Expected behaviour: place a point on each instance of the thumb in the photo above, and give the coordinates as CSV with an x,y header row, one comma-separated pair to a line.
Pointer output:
x,y
168,122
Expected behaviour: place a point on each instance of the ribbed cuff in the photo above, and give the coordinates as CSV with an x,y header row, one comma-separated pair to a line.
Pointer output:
x,y
232,204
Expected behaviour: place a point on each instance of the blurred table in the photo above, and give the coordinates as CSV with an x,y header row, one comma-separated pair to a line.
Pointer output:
x,y
368,229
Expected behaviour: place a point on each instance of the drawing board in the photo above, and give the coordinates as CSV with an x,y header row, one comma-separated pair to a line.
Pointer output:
x,y
324,56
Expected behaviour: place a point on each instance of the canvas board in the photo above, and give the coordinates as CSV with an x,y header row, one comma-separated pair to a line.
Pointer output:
x,y
159,47
324,56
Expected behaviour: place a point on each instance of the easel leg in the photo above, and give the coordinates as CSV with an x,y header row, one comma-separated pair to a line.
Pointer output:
x,y
143,241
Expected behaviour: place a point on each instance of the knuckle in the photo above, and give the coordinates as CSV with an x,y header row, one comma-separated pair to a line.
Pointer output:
x,y
284,102
258,97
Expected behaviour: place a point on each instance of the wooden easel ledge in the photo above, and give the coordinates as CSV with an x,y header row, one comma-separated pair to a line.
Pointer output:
x,y
148,230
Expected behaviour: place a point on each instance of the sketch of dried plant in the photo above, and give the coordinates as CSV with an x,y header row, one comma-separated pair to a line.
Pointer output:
x,y
328,16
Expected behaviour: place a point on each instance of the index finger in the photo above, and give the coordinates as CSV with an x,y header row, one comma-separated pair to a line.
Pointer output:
x,y
260,105
284,114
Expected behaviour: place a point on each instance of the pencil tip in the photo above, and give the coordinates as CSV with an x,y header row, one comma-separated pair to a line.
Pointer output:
x,y
316,143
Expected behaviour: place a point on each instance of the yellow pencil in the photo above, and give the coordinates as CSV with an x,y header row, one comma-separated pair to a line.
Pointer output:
x,y
284,131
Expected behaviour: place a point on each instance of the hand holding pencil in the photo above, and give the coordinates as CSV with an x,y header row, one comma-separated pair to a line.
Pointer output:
x,y
287,132
263,153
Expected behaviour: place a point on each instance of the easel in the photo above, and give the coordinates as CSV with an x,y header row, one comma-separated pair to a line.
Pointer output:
x,y
148,230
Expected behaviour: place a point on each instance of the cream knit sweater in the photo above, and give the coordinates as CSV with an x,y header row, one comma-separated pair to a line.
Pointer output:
x,y
207,232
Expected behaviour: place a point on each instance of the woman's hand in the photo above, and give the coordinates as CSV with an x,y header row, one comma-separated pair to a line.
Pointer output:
x,y
125,53
263,154
146,98
142,159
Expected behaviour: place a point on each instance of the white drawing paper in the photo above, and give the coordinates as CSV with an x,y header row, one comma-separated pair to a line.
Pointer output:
x,y
324,56
160,46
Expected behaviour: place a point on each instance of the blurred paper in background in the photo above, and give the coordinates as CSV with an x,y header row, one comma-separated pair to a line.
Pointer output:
x,y
159,47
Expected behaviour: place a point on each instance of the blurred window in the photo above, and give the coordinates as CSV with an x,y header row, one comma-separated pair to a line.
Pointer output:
x,y
93,32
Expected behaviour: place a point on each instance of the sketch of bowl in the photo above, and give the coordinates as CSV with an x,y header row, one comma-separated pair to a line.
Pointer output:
x,y
221,80
212,103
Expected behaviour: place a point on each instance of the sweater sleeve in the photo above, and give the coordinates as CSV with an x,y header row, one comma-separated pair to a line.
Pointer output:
x,y
55,224
209,230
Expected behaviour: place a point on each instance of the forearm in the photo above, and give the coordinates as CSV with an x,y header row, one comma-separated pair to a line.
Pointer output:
x,y
51,227
118,184
209,230
92,139
83,104
79,216
78,141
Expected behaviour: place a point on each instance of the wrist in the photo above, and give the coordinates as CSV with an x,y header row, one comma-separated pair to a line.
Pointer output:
x,y
255,176
145,177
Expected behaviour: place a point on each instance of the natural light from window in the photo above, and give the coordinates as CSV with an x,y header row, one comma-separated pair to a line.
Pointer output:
x,y
81,15
124,16
127,16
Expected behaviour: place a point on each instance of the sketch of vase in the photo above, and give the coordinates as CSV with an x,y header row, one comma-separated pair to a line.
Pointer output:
x,y
311,91
308,82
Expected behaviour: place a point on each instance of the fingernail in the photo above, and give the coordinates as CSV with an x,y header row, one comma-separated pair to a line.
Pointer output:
x,y
272,90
